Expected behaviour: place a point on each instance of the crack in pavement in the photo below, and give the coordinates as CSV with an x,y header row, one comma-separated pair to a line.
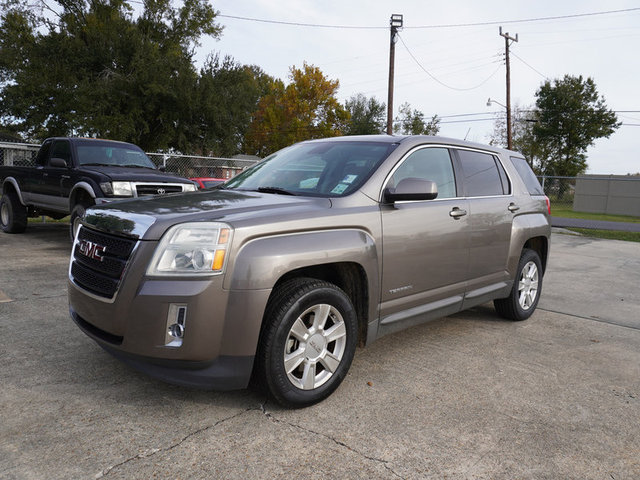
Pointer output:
x,y
385,463
153,451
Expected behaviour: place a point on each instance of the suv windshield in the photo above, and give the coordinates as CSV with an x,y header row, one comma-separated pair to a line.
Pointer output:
x,y
112,154
324,169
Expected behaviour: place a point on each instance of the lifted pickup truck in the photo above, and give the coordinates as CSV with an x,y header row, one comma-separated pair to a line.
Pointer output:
x,y
72,174
280,273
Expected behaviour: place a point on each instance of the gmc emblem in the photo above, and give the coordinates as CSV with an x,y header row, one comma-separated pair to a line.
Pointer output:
x,y
91,250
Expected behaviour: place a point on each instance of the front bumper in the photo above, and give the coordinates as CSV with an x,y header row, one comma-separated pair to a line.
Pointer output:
x,y
225,372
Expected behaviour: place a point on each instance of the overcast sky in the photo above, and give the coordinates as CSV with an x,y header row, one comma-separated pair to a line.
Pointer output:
x,y
468,60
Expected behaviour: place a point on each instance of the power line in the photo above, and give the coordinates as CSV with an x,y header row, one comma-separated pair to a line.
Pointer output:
x,y
440,82
451,25
537,71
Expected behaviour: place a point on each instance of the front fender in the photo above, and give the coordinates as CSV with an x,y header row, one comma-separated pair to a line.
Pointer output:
x,y
261,262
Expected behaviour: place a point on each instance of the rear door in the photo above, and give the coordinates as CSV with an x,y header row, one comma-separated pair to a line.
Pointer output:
x,y
491,211
425,244
55,176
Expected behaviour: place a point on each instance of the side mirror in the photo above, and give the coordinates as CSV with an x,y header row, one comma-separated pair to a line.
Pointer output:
x,y
58,163
411,189
162,168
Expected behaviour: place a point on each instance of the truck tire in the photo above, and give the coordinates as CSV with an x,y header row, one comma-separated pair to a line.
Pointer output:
x,y
76,217
523,299
307,343
13,215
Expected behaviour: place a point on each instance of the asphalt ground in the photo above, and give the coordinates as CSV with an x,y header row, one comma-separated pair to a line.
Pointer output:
x,y
470,396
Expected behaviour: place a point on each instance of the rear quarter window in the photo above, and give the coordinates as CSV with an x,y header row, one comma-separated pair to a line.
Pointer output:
x,y
483,174
527,176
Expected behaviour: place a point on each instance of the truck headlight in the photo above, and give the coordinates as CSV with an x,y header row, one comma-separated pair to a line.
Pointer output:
x,y
122,189
192,249
189,187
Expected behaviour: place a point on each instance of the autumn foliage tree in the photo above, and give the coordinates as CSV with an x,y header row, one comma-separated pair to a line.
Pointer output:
x,y
306,108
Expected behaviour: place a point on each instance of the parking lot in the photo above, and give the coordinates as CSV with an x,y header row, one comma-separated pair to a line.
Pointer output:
x,y
471,396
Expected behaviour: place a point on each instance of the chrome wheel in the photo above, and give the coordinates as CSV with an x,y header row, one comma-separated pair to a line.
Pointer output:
x,y
528,285
315,346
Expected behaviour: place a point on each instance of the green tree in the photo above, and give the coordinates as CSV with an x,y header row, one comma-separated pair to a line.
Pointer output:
x,y
368,116
305,108
92,68
412,122
225,97
570,116
524,141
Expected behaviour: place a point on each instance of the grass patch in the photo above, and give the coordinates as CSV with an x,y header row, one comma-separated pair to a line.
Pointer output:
x,y
608,234
567,212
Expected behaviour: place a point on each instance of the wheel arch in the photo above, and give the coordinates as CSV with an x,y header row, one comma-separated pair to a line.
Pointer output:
x,y
350,277
346,258
81,191
10,184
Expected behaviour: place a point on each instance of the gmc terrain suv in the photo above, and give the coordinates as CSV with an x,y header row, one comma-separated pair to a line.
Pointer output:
x,y
282,271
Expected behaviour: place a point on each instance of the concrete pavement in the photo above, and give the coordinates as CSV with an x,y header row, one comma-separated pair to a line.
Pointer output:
x,y
470,396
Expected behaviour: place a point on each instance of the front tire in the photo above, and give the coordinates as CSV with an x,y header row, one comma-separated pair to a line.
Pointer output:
x,y
76,218
13,215
307,343
525,293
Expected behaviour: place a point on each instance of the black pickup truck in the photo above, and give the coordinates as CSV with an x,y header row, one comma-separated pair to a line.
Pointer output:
x,y
72,174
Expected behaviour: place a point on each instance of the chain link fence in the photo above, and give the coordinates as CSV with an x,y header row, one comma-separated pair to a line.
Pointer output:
x,y
18,154
188,166
560,190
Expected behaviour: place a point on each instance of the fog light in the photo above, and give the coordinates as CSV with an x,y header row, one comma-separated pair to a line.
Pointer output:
x,y
176,319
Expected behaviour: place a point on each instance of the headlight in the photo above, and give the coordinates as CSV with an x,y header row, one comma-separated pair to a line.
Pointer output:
x,y
192,249
122,189
189,188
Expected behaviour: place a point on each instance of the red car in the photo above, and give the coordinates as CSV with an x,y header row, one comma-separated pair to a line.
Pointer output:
x,y
207,182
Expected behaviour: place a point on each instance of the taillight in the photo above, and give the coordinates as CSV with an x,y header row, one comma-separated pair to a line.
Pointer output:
x,y
548,204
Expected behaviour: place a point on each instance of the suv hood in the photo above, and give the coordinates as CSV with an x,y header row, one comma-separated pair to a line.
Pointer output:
x,y
136,174
149,217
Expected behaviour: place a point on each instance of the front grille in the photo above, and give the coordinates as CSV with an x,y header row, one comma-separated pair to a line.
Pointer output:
x,y
159,189
100,274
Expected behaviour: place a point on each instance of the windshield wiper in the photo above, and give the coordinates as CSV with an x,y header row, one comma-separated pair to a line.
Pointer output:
x,y
96,165
277,190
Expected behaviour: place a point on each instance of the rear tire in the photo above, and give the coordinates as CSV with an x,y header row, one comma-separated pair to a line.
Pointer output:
x,y
13,215
523,299
308,342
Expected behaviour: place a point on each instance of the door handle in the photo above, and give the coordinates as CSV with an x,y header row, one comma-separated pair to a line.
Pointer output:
x,y
513,207
457,213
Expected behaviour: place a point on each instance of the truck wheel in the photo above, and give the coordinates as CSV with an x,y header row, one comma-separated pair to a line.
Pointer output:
x,y
13,215
76,217
307,343
523,299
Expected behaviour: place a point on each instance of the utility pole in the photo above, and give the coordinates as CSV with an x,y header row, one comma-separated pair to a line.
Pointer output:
x,y
508,38
396,25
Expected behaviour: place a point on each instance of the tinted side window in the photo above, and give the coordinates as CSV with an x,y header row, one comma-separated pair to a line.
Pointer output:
x,y
481,174
43,154
429,164
527,175
62,149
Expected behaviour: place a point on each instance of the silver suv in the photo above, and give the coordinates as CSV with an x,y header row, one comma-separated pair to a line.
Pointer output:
x,y
281,272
